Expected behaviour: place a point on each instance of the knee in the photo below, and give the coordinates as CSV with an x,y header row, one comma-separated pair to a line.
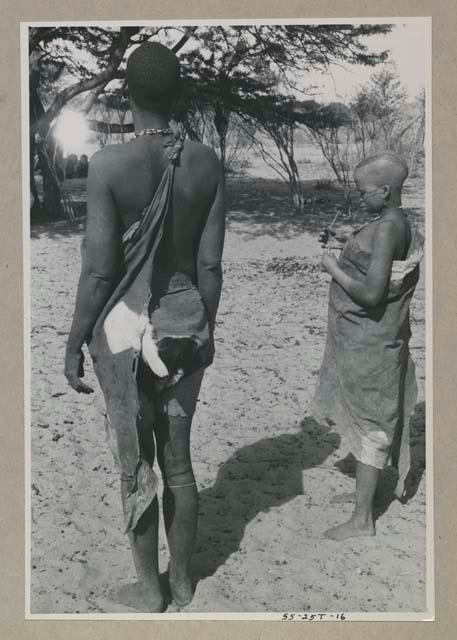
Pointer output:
x,y
174,456
175,464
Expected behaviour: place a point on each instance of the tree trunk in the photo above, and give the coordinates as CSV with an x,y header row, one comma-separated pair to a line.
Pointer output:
x,y
418,143
348,203
295,186
297,196
295,189
221,123
52,195
222,146
35,204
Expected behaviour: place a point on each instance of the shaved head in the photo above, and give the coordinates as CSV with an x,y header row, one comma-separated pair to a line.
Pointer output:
x,y
385,168
153,73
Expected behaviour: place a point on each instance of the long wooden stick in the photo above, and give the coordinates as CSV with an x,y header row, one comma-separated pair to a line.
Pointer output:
x,y
333,221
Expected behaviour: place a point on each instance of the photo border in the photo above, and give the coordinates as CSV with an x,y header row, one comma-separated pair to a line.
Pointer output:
x,y
400,616
444,294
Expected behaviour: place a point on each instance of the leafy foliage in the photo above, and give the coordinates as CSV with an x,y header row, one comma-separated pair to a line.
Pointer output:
x,y
235,78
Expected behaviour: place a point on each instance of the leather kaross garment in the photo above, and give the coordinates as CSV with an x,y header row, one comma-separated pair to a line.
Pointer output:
x,y
145,308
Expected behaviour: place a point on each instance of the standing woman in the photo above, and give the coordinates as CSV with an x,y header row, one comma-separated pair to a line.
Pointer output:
x,y
146,305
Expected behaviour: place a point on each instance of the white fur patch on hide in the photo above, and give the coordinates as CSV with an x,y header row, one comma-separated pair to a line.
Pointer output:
x,y
125,329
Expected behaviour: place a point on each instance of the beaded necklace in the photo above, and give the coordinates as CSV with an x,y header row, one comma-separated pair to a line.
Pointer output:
x,y
153,132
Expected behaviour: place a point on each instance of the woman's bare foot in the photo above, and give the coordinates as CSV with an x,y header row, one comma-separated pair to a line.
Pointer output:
x,y
342,498
181,587
353,528
137,596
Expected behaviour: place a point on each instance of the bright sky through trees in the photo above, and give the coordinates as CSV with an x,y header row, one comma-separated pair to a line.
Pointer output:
x,y
407,52
338,84
72,132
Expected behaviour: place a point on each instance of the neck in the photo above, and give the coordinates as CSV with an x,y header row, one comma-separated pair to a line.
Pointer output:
x,y
149,120
394,202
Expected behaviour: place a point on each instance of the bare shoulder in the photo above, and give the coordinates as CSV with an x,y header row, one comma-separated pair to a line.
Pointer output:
x,y
393,225
391,234
104,163
199,150
202,158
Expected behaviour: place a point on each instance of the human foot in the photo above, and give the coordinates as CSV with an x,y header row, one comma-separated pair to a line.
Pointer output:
x,y
181,587
136,596
342,498
351,529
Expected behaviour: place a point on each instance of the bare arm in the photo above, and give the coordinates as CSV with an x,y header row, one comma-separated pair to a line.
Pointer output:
x,y
209,258
99,270
328,239
369,291
342,239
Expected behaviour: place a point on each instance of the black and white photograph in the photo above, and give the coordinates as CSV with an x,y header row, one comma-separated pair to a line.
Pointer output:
x,y
227,267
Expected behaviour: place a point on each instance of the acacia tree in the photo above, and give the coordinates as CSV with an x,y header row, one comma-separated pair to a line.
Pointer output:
x,y
331,131
225,68
58,48
377,118
418,133
383,119
234,66
62,49
273,119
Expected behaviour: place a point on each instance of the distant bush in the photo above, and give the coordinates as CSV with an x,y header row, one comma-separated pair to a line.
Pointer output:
x,y
71,166
83,167
323,185
237,167
75,168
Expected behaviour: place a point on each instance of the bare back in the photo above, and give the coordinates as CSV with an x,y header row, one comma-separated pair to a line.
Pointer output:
x,y
133,173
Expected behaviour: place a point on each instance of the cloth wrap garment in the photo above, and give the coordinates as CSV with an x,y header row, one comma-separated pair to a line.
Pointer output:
x,y
145,307
367,386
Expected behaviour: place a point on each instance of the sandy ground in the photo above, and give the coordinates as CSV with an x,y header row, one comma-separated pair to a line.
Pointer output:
x,y
265,469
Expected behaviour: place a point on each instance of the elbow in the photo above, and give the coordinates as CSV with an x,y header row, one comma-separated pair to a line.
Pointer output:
x,y
210,267
101,277
371,299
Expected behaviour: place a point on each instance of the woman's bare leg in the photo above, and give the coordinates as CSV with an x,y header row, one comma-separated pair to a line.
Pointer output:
x,y
180,502
146,595
361,522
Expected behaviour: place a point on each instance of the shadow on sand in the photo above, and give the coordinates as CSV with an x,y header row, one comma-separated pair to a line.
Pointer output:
x,y
260,206
268,474
55,229
257,477
267,208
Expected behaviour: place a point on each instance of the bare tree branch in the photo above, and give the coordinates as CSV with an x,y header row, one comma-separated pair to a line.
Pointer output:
x,y
92,96
120,46
188,34
72,65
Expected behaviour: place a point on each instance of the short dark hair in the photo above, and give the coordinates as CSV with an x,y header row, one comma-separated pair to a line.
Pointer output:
x,y
153,74
392,168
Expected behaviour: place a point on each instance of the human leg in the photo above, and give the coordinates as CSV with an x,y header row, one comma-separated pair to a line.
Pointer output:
x,y
143,539
180,495
180,501
342,498
361,522
147,594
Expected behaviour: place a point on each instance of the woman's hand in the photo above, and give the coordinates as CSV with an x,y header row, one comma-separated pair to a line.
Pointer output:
x,y
74,371
328,240
162,384
329,262
324,237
